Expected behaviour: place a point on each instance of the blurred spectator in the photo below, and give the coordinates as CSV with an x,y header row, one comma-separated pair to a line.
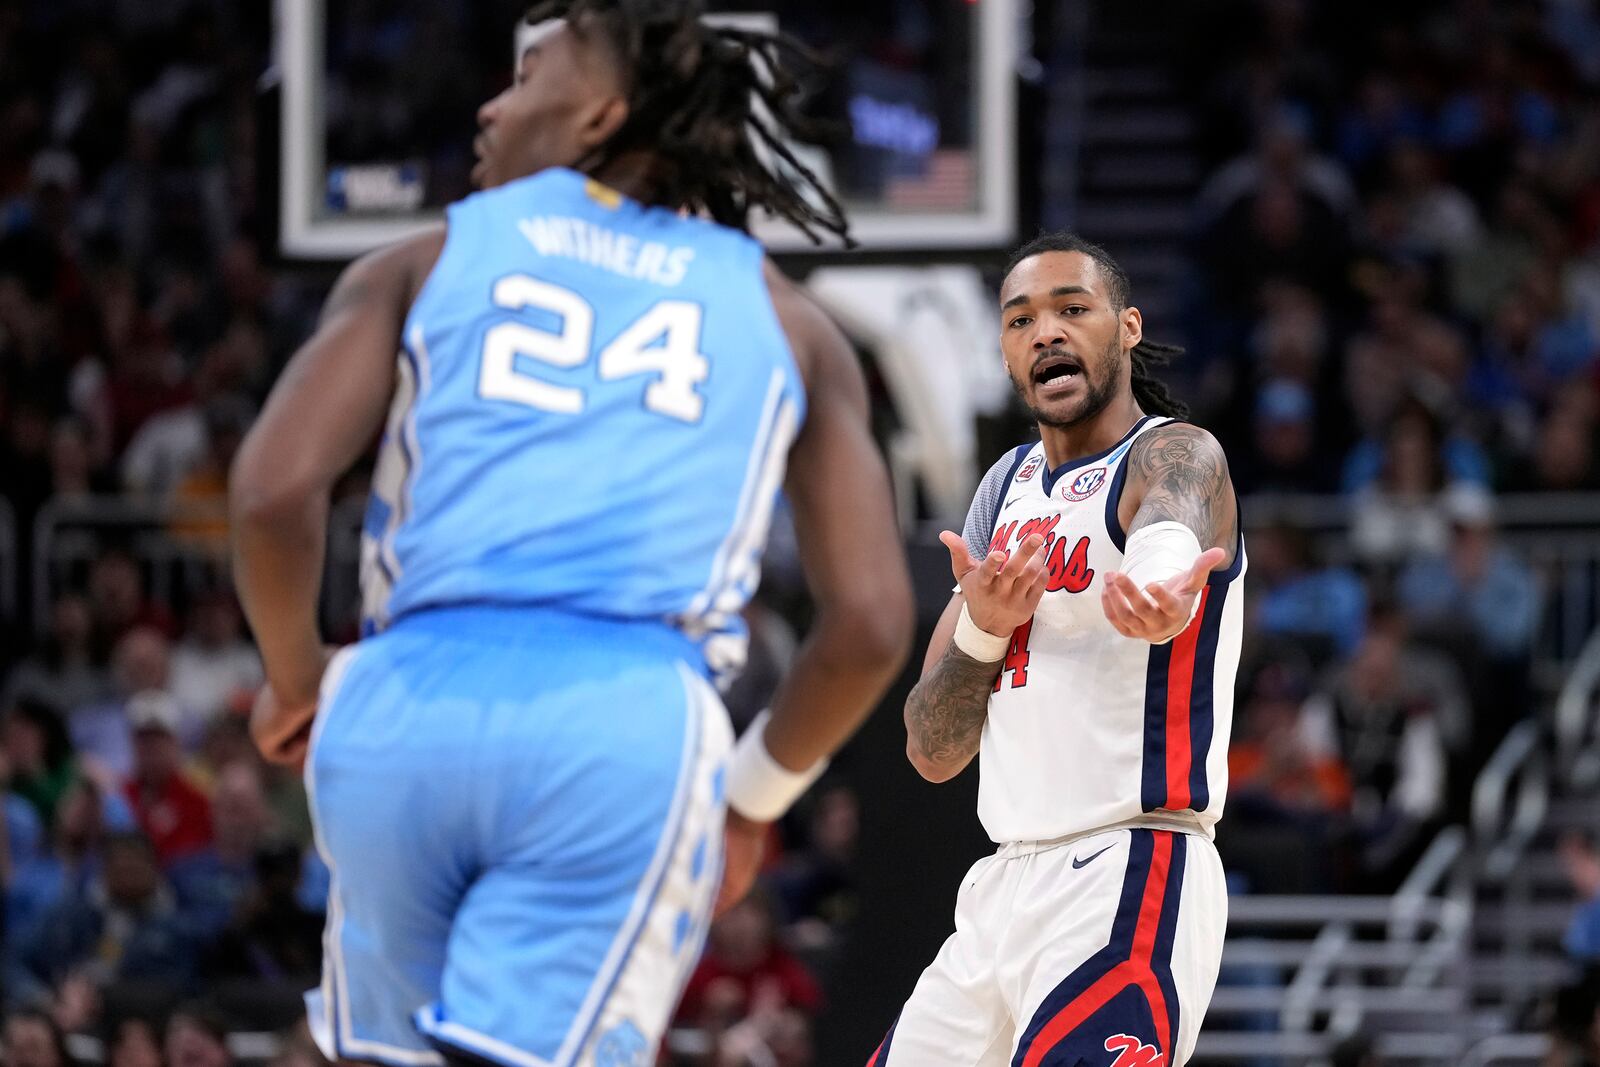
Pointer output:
x,y
1480,603
123,926
1399,514
118,601
1580,858
50,862
213,668
197,1037
175,442
212,882
1287,800
32,1039
1322,607
100,731
1439,218
1478,582
1564,452
743,966
814,886
200,498
1387,715
37,756
173,813
135,1042
272,937
73,476
64,671
1285,456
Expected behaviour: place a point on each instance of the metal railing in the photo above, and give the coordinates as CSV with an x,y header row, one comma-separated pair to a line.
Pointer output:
x,y
1556,534
178,547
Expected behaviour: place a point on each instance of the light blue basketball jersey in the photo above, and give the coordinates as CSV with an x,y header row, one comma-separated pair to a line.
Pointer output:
x,y
593,412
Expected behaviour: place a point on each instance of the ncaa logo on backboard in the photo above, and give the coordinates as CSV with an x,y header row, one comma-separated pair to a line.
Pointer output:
x,y
1131,1052
1030,468
1086,484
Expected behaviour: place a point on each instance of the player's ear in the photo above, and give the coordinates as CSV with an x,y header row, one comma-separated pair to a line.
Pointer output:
x,y
1132,327
603,117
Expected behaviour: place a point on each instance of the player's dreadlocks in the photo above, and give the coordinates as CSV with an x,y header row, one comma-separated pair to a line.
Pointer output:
x,y
690,88
1151,392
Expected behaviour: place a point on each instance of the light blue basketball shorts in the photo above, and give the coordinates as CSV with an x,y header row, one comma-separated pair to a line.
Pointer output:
x,y
522,812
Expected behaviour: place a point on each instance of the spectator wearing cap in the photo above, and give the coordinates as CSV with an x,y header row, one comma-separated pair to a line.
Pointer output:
x,y
1284,458
1479,601
171,810
100,731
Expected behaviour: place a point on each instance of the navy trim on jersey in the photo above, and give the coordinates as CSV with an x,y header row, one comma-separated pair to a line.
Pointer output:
x,y
1202,709
880,1058
1053,476
1141,847
1223,577
1005,488
1167,934
1125,1005
1153,773
1114,530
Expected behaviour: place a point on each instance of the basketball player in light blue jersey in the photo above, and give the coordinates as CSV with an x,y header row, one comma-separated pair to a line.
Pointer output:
x,y
519,775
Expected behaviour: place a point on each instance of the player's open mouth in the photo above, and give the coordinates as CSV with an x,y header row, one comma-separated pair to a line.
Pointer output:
x,y
1056,370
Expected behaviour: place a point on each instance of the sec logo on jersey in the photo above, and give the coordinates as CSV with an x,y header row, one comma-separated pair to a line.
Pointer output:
x,y
1086,484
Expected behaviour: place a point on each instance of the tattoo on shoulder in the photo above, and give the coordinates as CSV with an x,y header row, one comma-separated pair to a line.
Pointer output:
x,y
1185,479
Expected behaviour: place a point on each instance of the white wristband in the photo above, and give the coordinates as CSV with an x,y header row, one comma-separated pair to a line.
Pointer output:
x,y
1158,552
981,645
759,787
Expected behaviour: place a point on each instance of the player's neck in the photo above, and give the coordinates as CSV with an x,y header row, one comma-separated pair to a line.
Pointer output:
x,y
633,174
1063,445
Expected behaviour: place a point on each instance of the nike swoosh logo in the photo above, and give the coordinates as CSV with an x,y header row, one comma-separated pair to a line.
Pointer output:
x,y
1077,863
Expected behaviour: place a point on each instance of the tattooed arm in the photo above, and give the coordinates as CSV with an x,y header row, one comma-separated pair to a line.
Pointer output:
x,y
945,712
1177,473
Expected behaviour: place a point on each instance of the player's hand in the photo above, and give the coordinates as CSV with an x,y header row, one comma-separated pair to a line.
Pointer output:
x,y
282,730
744,842
1161,610
1001,593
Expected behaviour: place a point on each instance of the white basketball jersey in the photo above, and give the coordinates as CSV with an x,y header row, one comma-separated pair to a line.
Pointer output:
x,y
1088,728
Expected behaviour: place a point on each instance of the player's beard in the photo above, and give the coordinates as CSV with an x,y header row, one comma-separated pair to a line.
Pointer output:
x,y
1099,388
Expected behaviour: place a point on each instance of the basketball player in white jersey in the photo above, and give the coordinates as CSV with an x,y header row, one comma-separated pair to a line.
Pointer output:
x,y
1087,659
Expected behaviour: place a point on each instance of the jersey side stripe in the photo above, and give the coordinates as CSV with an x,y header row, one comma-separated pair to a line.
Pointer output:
x,y
769,412
1180,690
1202,705
1153,776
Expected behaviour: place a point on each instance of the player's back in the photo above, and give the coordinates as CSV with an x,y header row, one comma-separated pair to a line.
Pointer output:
x,y
594,407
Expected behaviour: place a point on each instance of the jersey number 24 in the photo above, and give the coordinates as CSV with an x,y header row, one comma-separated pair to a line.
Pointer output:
x,y
675,360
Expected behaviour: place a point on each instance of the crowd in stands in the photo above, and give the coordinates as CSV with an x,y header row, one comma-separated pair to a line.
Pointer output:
x,y
1396,298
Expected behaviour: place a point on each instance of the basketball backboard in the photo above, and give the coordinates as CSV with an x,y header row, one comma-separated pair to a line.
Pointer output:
x,y
379,99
